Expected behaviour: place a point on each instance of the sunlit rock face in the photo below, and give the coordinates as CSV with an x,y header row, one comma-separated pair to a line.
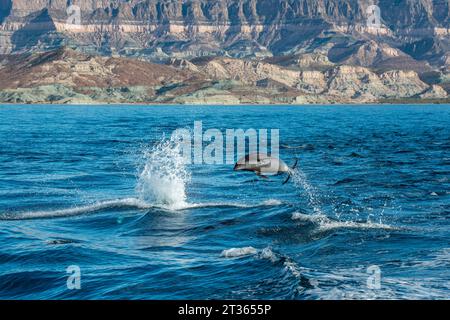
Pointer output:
x,y
234,51
194,28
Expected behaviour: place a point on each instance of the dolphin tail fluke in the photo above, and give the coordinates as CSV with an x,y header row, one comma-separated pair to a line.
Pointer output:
x,y
288,178
295,164
291,171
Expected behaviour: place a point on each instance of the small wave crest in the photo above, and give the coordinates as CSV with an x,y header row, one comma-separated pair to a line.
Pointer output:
x,y
325,224
266,253
295,276
267,203
127,203
238,252
130,203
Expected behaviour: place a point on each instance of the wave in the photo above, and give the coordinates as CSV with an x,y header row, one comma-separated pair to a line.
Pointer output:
x,y
293,275
440,258
326,224
238,252
267,203
264,254
127,203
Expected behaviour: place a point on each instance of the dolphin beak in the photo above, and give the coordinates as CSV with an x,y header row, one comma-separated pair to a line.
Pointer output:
x,y
237,167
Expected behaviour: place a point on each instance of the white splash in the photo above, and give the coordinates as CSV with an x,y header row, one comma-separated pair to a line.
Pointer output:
x,y
164,176
272,202
238,252
268,254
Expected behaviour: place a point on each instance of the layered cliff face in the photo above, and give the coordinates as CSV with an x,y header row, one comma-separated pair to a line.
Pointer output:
x,y
190,28
283,51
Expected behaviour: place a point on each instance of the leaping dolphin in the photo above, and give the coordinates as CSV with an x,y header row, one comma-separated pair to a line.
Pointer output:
x,y
264,166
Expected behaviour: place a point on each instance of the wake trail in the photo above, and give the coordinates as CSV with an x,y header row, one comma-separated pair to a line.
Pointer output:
x,y
300,180
124,204
128,203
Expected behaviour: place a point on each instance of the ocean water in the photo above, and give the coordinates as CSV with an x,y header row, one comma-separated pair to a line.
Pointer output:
x,y
365,216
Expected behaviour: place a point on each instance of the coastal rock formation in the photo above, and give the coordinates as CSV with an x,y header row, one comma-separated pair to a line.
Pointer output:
x,y
435,92
281,51
68,76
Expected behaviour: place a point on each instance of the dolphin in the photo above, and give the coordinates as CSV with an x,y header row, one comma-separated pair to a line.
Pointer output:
x,y
264,166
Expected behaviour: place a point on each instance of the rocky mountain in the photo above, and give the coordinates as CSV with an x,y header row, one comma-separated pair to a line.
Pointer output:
x,y
68,76
287,51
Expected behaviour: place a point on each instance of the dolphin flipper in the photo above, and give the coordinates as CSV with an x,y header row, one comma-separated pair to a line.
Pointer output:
x,y
259,174
266,179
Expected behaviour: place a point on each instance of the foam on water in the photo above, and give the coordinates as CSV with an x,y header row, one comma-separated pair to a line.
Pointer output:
x,y
129,203
324,223
124,204
268,254
272,202
238,252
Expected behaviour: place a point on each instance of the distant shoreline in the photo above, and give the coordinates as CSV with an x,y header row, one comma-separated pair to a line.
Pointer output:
x,y
123,104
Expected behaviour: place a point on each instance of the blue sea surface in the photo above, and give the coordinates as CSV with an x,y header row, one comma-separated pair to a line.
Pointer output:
x,y
365,216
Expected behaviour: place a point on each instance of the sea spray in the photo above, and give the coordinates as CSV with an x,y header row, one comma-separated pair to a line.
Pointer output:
x,y
164,175
300,180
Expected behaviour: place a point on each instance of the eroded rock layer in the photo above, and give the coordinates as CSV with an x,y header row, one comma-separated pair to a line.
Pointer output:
x,y
287,51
